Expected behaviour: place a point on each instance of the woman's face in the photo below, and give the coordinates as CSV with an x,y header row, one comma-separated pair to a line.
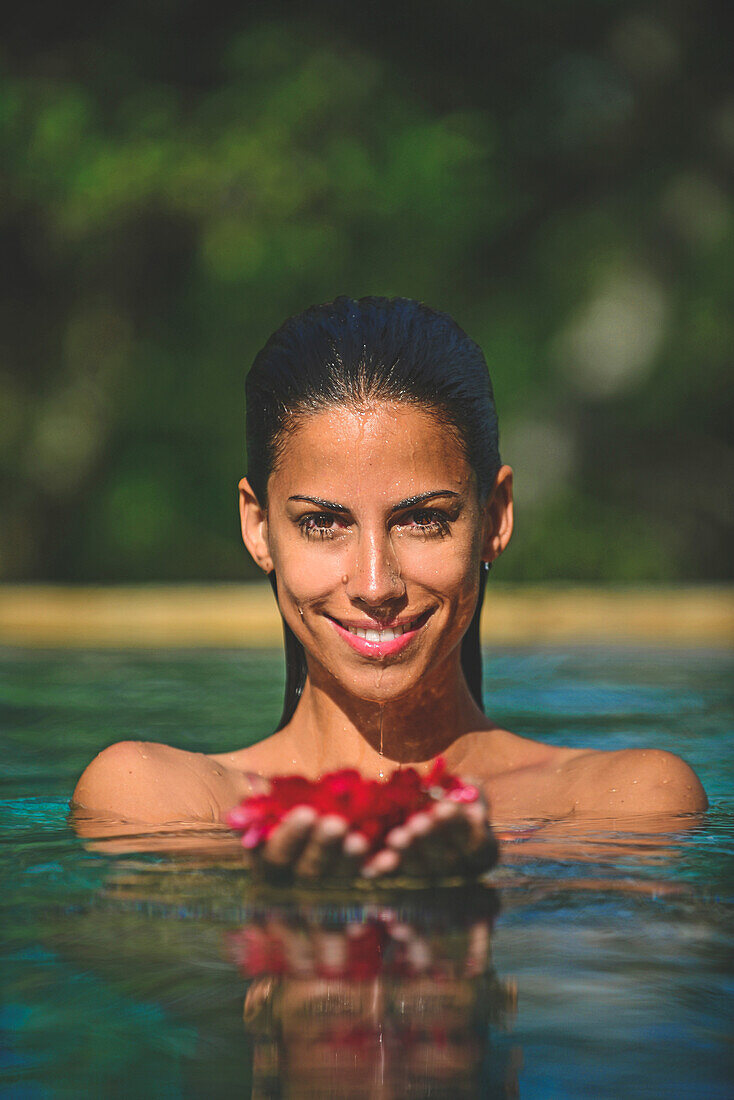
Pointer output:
x,y
376,532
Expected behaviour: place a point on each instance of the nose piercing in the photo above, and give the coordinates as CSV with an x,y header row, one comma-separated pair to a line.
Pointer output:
x,y
345,578
300,611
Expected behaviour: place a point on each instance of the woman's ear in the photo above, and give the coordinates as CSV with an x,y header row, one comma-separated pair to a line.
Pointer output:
x,y
254,524
498,516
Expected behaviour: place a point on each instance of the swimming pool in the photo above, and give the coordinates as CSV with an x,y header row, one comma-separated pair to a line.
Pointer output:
x,y
602,971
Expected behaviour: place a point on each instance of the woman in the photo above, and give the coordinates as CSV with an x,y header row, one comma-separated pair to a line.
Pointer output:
x,y
376,501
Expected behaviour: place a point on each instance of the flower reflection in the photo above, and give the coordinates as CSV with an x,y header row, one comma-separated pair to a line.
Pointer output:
x,y
374,1000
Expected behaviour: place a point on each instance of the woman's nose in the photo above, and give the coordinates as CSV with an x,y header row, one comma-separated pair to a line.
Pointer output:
x,y
374,576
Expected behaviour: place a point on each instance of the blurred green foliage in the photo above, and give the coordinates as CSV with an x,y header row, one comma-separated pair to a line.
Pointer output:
x,y
178,180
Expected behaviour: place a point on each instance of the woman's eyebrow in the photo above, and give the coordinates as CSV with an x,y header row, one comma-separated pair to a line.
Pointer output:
x,y
326,504
409,502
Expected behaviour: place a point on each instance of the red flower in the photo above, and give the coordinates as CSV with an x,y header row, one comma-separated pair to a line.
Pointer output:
x,y
372,807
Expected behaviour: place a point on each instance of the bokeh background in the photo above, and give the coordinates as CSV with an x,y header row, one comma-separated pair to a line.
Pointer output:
x,y
179,177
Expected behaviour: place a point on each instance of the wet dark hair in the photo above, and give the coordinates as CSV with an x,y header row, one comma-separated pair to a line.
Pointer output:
x,y
352,352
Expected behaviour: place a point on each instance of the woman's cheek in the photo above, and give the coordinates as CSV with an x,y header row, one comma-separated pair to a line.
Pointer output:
x,y
452,576
449,569
307,572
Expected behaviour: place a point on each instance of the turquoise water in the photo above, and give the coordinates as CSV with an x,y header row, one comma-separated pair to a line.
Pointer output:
x,y
597,971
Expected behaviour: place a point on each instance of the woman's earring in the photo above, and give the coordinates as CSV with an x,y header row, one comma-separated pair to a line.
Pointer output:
x,y
486,566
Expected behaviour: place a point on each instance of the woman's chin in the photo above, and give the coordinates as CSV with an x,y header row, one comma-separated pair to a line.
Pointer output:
x,y
380,684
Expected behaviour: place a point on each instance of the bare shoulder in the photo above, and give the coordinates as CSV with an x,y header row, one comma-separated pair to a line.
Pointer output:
x,y
276,754
149,783
635,781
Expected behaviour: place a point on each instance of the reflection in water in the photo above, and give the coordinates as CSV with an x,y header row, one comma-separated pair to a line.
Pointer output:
x,y
373,1000
348,992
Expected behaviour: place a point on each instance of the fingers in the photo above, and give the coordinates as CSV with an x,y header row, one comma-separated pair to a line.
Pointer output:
x,y
467,838
353,851
410,849
312,847
451,838
386,862
324,855
437,841
483,850
286,843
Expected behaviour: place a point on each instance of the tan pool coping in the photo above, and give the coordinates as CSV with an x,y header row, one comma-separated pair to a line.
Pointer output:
x,y
244,615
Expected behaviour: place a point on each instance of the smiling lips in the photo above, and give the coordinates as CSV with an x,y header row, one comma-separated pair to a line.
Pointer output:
x,y
371,642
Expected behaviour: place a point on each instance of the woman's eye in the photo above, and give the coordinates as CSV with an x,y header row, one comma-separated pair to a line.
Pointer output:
x,y
427,521
319,525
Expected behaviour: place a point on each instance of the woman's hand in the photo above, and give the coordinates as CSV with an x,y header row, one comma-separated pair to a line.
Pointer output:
x,y
448,840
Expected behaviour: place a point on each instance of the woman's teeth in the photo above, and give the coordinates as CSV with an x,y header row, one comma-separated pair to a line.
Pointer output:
x,y
388,635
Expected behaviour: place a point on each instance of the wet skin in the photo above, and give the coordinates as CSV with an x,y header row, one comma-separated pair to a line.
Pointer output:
x,y
376,530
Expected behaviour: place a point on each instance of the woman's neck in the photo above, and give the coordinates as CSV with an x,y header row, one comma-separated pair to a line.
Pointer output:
x,y
334,729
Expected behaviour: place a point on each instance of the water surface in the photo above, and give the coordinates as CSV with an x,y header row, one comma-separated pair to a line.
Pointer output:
x,y
597,973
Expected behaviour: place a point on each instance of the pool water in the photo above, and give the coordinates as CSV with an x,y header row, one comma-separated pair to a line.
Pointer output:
x,y
597,970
